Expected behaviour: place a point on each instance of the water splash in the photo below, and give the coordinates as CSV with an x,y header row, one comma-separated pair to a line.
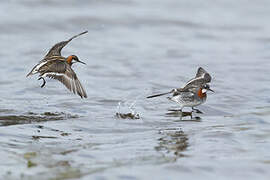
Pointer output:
x,y
127,110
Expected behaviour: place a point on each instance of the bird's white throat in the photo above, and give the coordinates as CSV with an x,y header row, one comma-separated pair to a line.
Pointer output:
x,y
204,90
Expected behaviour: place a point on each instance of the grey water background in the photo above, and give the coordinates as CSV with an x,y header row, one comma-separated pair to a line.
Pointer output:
x,y
135,48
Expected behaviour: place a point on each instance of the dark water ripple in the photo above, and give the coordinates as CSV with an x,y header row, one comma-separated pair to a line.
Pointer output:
x,y
31,117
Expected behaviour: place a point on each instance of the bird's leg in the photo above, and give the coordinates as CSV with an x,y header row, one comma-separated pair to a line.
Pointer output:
x,y
44,82
196,110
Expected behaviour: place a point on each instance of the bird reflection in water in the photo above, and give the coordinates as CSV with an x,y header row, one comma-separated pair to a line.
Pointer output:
x,y
182,115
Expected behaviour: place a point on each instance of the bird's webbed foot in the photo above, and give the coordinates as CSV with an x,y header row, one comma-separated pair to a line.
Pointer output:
x,y
44,82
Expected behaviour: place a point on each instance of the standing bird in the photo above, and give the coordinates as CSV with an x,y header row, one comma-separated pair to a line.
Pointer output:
x,y
193,93
55,66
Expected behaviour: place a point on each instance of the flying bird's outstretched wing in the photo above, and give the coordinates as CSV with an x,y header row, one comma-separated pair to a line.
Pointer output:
x,y
63,72
56,49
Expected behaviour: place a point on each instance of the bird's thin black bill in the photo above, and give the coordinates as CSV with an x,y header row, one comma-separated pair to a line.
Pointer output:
x,y
82,62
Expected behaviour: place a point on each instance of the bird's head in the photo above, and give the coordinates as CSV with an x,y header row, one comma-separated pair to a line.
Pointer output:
x,y
73,59
206,88
203,89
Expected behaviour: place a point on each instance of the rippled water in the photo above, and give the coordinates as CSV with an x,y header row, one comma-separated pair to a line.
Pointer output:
x,y
133,49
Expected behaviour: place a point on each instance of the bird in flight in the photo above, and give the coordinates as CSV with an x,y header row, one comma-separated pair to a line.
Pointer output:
x,y
55,66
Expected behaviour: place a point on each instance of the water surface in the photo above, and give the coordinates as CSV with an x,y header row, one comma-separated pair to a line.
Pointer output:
x,y
133,49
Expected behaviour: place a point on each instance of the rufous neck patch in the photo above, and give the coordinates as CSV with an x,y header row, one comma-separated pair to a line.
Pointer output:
x,y
201,94
69,59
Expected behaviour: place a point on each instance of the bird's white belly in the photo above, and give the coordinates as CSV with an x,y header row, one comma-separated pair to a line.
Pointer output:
x,y
183,103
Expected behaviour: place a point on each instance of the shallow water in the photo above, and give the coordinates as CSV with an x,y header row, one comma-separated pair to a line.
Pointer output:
x,y
134,49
